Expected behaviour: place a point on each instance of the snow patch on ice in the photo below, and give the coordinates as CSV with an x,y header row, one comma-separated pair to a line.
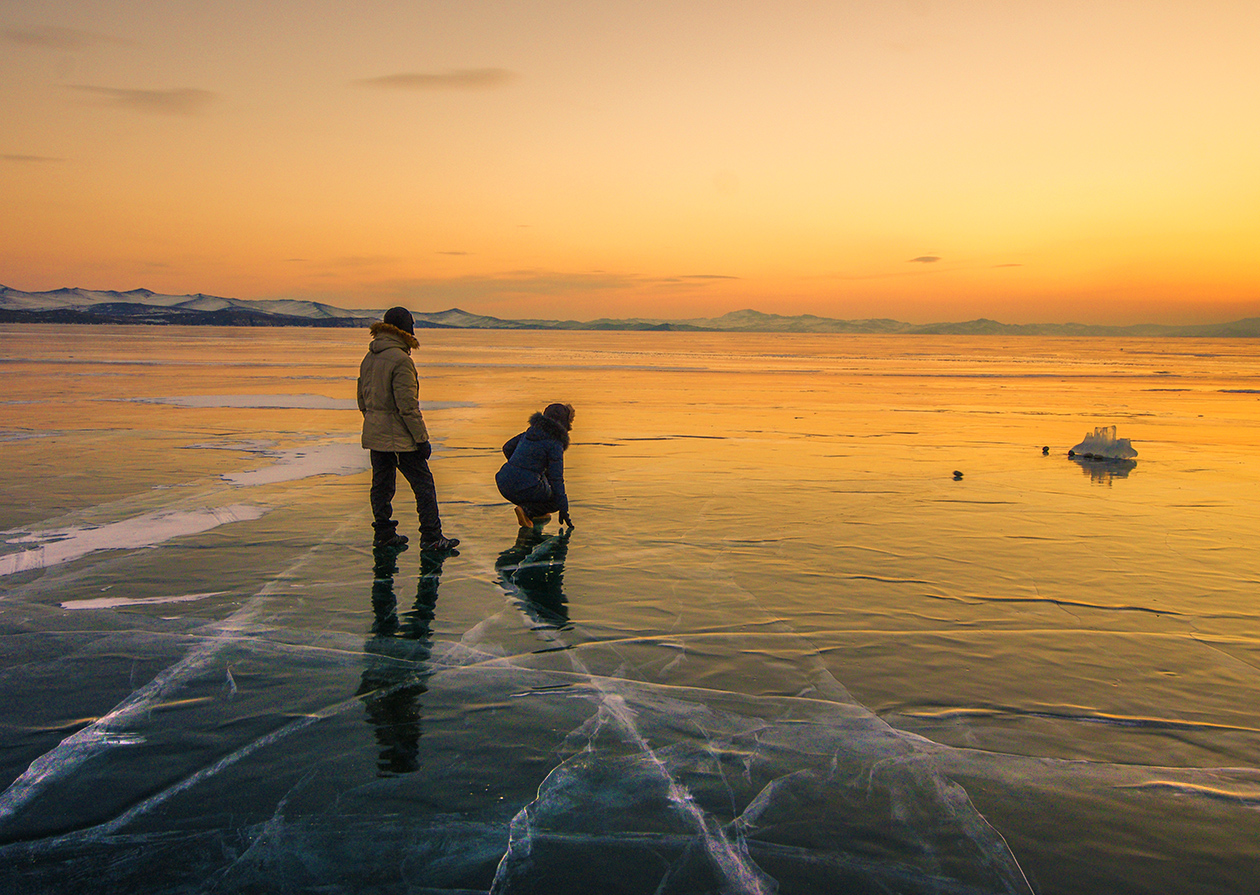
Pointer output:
x,y
285,402
244,445
54,546
117,602
300,463
278,402
23,435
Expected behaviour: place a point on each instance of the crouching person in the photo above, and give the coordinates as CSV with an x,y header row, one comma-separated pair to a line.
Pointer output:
x,y
533,476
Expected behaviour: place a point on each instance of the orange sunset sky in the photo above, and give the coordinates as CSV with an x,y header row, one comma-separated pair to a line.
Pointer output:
x,y
1023,160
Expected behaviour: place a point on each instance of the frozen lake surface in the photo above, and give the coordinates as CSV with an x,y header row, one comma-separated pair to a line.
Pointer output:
x,y
786,649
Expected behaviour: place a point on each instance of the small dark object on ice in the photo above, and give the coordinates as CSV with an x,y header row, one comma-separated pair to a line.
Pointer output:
x,y
1071,453
957,475
1045,450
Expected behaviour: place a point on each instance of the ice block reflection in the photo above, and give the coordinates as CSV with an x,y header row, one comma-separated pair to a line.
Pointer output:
x,y
1104,471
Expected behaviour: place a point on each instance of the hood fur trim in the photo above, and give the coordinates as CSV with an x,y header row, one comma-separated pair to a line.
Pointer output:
x,y
548,429
408,339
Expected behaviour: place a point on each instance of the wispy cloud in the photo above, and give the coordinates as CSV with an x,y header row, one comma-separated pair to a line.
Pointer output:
x,y
533,282
455,79
336,268
1008,265
30,159
518,284
925,259
454,253
48,37
363,261
707,276
180,101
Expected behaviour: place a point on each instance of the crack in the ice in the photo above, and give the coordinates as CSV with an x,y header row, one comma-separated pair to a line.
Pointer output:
x,y
91,741
733,864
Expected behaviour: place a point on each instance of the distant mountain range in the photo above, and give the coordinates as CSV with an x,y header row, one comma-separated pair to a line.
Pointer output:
x,y
140,306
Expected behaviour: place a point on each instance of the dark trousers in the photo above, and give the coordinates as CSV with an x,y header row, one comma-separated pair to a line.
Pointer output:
x,y
536,509
415,469
532,493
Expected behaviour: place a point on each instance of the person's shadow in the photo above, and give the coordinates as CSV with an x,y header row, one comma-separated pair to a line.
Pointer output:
x,y
532,570
397,666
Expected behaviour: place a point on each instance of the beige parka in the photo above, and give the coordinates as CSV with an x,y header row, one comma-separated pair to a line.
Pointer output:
x,y
389,392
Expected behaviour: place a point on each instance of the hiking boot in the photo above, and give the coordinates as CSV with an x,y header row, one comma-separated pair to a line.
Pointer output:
x,y
390,539
522,518
439,544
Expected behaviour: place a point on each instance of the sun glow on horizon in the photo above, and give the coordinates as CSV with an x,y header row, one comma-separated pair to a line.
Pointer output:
x,y
1038,163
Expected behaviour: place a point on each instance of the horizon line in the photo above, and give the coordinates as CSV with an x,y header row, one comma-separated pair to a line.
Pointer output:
x,y
365,312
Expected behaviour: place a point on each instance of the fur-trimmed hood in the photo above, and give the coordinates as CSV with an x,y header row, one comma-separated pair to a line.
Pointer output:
x,y
542,428
381,331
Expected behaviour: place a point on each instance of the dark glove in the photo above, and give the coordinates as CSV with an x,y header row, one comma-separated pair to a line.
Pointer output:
x,y
566,519
426,450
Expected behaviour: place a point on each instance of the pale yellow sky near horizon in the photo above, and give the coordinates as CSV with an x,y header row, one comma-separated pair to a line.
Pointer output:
x,y
927,161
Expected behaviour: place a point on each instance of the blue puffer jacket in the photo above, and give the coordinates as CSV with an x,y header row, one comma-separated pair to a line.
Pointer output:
x,y
534,471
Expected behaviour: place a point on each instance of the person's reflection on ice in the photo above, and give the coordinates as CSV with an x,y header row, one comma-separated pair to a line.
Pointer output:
x,y
532,569
397,654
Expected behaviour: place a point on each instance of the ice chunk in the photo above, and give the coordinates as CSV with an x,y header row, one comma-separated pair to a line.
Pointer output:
x,y
1103,443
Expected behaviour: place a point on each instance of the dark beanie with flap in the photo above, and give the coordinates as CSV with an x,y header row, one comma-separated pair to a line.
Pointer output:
x,y
401,318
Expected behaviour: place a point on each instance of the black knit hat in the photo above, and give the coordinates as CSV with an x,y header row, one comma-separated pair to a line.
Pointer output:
x,y
401,318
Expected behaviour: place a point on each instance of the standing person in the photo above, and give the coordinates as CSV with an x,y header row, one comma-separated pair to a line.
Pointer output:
x,y
394,431
533,476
